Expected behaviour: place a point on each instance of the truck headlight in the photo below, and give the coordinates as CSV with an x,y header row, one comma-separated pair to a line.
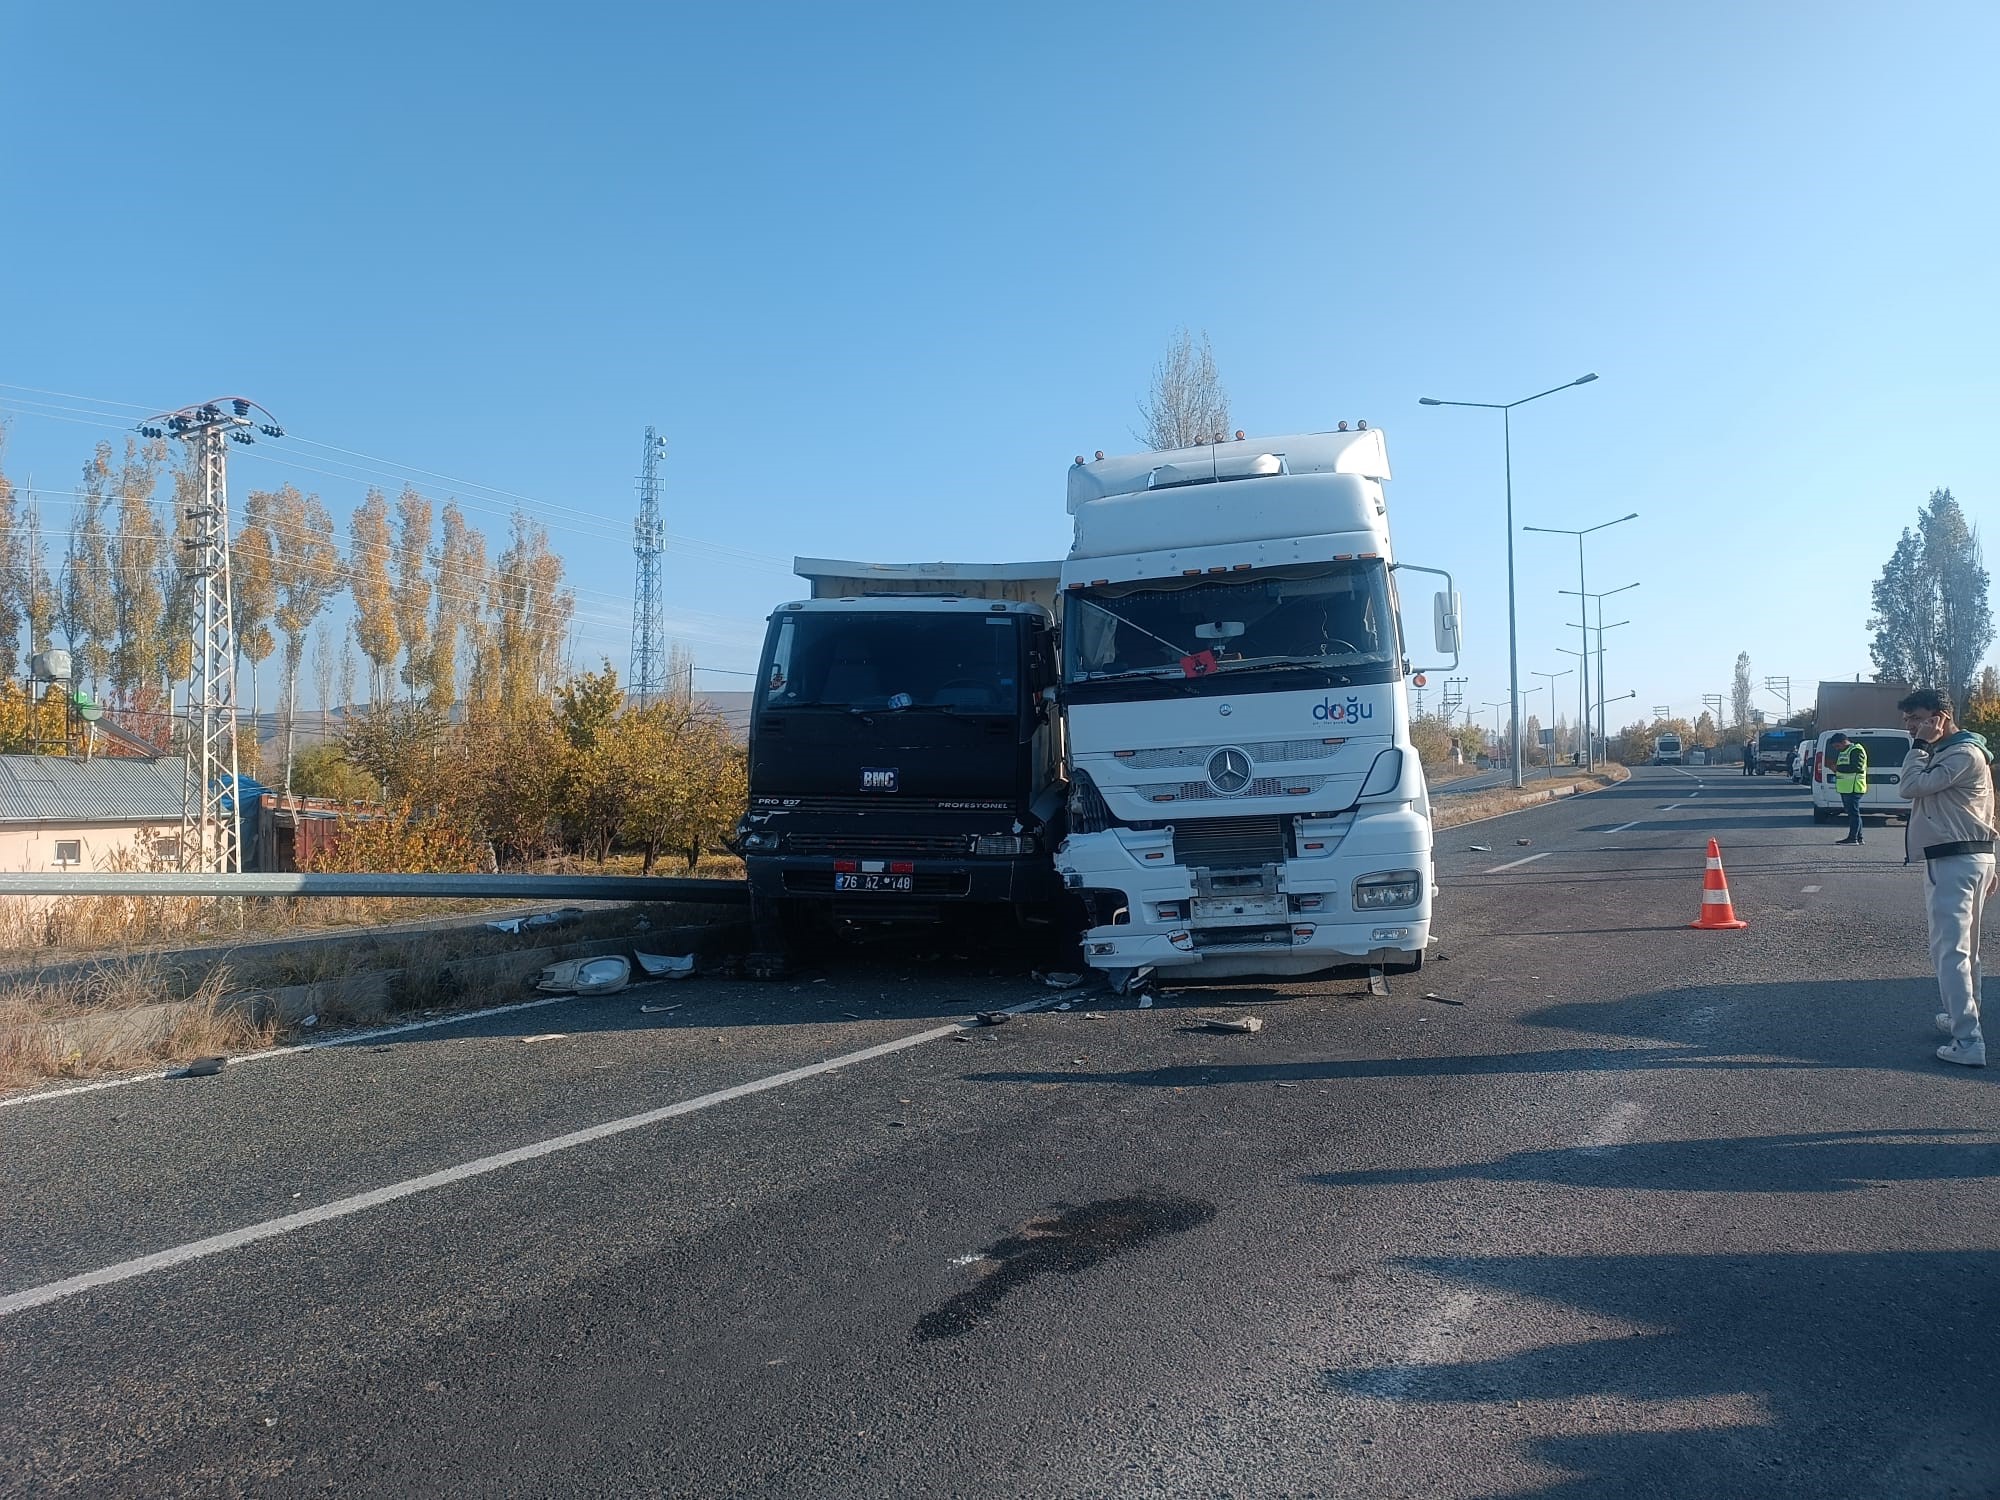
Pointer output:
x,y
1387,889
1002,844
759,842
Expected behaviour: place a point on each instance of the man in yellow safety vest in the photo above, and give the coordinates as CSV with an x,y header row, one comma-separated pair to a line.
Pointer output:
x,y
1850,779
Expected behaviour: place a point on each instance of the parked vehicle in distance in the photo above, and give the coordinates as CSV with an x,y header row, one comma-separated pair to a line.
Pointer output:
x,y
1801,766
1887,750
1667,750
1774,750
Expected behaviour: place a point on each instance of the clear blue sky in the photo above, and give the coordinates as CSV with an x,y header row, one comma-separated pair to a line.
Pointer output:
x,y
879,272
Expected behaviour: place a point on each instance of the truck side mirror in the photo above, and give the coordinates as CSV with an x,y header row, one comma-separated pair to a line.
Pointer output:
x,y
1447,614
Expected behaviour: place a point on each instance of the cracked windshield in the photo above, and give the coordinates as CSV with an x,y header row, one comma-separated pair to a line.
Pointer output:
x,y
1035,751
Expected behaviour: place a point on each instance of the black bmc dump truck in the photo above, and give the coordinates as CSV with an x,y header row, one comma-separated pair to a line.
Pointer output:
x,y
905,755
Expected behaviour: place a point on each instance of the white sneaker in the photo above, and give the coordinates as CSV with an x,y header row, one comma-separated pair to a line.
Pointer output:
x,y
1944,1023
1965,1054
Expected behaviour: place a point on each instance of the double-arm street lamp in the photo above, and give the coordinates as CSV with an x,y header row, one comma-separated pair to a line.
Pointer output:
x,y
1505,408
1601,628
1583,680
1551,730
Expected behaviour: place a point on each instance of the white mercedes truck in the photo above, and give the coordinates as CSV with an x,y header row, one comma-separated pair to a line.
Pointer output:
x,y
1245,798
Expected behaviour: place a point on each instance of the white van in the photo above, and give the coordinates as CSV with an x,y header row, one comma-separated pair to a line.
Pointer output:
x,y
1887,750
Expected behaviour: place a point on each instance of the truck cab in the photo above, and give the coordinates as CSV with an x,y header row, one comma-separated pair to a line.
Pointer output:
x,y
1245,796
905,765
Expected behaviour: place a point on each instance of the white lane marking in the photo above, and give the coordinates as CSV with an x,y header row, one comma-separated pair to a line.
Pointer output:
x,y
1614,1130
1808,890
340,1208
1427,1348
1669,806
293,1050
1515,864
1623,826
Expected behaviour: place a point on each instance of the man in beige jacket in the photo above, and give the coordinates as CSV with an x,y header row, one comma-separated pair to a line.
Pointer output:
x,y
1949,784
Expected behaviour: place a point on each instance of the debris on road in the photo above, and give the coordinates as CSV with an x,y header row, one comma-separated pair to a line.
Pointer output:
x,y
656,1010
1480,849
1236,1023
202,1067
1060,981
546,1036
1434,995
1093,1015
567,916
1288,1085
1130,981
992,1018
510,925
1145,1002
309,1022
585,976
665,966
1064,1006
1524,842
1378,983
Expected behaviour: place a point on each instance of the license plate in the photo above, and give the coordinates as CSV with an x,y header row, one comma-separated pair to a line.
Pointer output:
x,y
1242,906
874,882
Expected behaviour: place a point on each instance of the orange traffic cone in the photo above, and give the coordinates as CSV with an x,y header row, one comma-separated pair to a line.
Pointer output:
x,y
1716,911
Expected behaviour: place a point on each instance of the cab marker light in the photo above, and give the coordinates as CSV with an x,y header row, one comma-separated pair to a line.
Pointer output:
x,y
1304,933
902,867
1241,567
1124,754
1156,854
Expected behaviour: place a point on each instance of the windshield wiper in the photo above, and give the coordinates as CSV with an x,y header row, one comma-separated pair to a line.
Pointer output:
x,y
1178,651
1292,664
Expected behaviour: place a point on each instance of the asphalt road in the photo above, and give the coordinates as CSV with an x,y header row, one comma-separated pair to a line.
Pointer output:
x,y
1595,1205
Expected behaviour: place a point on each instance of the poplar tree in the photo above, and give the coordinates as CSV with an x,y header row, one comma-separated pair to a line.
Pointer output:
x,y
308,574
1186,404
139,548
411,597
253,594
461,576
374,598
14,542
87,604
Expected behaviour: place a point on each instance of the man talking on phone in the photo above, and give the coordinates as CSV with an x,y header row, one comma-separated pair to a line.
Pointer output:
x,y
1950,789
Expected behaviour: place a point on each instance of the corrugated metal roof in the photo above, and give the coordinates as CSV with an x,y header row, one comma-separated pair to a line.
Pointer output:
x,y
50,789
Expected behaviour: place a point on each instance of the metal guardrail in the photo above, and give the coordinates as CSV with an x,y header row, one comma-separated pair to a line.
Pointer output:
x,y
526,887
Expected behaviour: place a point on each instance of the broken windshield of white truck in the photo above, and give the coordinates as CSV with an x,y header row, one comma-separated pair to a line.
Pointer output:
x,y
1334,615
870,663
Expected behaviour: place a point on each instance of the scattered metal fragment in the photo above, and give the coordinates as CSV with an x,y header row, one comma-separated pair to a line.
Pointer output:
x,y
992,1018
665,965
1145,1002
546,1036
1288,1085
1093,1015
1524,842
1378,983
1433,995
1060,981
202,1067
1236,1023
1481,849
656,1010
1064,1006
851,1015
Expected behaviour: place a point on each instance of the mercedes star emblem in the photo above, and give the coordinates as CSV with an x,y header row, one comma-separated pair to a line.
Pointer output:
x,y
1229,771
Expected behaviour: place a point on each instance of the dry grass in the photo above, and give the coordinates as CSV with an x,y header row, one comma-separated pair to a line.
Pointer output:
x,y
60,1028
1452,812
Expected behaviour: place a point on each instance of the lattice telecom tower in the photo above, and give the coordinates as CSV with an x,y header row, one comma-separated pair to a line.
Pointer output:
x,y
210,840
649,540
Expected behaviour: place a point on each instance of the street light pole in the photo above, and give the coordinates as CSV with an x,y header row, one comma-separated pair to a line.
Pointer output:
x,y
1603,729
1506,408
1551,676
1582,587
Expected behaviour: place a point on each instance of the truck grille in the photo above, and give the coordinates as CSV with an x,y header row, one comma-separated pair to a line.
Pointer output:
x,y
1258,750
1263,786
1230,843
934,845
